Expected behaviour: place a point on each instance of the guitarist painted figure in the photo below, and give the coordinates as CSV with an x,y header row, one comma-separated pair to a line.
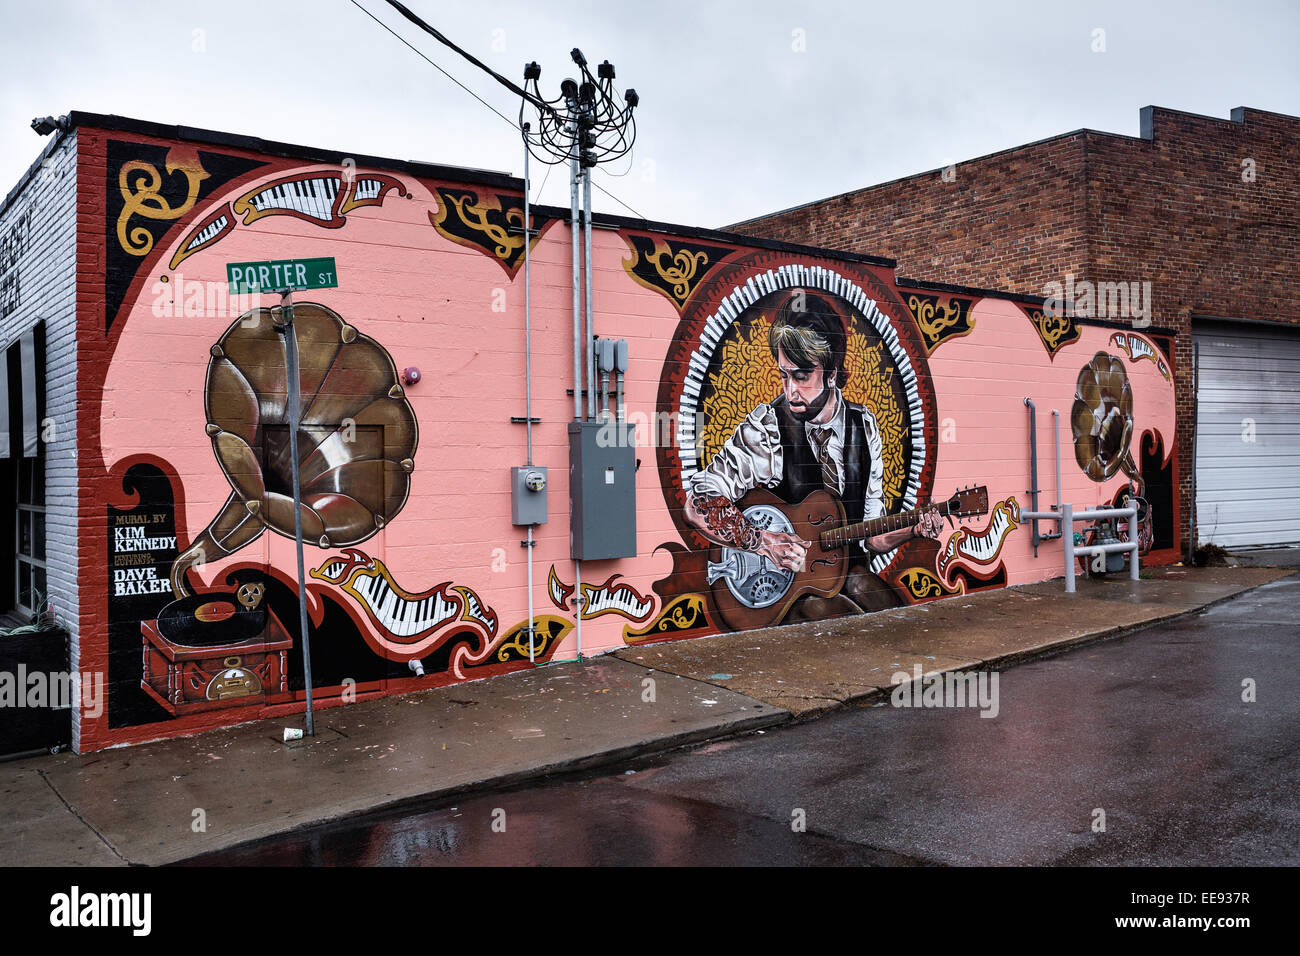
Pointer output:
x,y
808,439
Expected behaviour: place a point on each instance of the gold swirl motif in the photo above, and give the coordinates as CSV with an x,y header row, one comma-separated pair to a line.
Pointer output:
x,y
747,377
921,584
680,271
139,183
933,328
1054,330
548,630
686,611
474,215
870,376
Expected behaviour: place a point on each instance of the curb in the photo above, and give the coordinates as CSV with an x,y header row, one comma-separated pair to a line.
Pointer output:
x,y
777,716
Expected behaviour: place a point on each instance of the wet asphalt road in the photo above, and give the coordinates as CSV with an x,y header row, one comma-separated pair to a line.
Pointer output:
x,y
1150,728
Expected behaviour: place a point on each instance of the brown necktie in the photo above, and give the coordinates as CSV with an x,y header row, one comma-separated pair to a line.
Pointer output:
x,y
830,471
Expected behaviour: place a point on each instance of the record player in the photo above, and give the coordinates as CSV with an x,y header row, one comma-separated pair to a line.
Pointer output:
x,y
216,650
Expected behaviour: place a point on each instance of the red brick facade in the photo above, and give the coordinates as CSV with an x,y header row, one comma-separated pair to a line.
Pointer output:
x,y
1206,210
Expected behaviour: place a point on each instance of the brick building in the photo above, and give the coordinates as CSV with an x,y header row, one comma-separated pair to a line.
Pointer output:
x,y
1205,210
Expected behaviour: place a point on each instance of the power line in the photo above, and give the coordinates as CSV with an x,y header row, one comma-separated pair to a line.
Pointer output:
x,y
617,200
511,123
435,65
517,90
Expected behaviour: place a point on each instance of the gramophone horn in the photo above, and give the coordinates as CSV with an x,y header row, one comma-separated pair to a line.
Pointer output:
x,y
356,440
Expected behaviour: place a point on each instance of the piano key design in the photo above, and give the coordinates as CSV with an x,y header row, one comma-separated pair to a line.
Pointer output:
x,y
1138,347
599,599
965,548
323,197
208,232
408,625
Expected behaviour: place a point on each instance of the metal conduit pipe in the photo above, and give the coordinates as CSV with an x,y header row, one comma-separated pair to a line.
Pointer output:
x,y
528,393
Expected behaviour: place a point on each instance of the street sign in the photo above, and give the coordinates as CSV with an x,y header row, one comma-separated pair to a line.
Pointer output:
x,y
281,275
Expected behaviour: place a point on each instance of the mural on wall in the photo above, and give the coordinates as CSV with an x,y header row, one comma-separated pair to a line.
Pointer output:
x,y
802,480
1102,419
837,445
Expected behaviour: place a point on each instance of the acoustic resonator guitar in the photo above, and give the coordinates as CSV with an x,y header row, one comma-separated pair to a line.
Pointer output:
x,y
750,591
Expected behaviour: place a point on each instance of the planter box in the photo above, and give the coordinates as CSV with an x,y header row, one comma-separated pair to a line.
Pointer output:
x,y
23,727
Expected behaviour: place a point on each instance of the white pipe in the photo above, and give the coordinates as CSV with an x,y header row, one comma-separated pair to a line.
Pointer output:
x,y
577,589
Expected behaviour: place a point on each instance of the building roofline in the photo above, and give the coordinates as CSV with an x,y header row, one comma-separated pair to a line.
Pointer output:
x,y
192,134
929,172
612,221
460,174
1145,133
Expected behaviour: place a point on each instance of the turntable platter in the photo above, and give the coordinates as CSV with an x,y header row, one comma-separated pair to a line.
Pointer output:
x,y
206,620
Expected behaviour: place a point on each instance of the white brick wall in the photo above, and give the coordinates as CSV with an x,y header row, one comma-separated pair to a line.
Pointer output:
x,y
47,278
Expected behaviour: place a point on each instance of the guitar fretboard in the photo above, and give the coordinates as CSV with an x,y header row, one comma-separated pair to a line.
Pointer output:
x,y
839,537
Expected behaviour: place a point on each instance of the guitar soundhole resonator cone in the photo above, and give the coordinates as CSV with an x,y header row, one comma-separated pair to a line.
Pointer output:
x,y
751,578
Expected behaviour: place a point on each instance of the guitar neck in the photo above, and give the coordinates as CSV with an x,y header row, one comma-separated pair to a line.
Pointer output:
x,y
839,537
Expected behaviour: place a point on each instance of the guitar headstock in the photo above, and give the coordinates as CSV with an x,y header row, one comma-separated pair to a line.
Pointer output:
x,y
968,502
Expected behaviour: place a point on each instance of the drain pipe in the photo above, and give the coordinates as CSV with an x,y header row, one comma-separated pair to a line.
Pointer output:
x,y
1033,474
1033,514
1056,439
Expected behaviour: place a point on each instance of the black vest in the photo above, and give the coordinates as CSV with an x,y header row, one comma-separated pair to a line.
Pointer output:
x,y
801,472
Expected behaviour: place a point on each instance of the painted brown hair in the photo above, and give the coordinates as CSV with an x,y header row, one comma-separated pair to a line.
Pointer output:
x,y
810,333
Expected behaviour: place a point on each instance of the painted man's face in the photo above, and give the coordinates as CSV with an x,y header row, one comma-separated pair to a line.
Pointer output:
x,y
806,389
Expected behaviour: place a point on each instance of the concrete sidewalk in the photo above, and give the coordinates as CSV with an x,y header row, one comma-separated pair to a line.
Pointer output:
x,y
141,804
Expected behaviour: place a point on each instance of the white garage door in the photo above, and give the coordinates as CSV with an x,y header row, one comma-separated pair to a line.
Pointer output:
x,y
1247,434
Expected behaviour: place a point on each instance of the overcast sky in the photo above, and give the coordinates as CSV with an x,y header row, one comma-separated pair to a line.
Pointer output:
x,y
746,107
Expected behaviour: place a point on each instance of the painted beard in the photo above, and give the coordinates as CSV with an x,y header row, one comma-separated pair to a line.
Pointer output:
x,y
813,408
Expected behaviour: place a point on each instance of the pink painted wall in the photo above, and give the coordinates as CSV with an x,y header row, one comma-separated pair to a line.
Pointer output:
x,y
453,310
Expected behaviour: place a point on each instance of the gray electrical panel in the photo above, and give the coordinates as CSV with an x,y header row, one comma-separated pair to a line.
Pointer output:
x,y
528,495
602,490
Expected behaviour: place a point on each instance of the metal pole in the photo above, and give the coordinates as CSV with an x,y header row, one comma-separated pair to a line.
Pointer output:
x,y
295,413
1067,532
577,349
577,303
528,338
528,391
1133,539
589,342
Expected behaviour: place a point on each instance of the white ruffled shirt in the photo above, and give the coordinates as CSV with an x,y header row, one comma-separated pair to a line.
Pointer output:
x,y
751,457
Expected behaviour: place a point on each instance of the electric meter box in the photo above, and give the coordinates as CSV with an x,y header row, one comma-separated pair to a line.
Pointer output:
x,y
528,494
602,490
